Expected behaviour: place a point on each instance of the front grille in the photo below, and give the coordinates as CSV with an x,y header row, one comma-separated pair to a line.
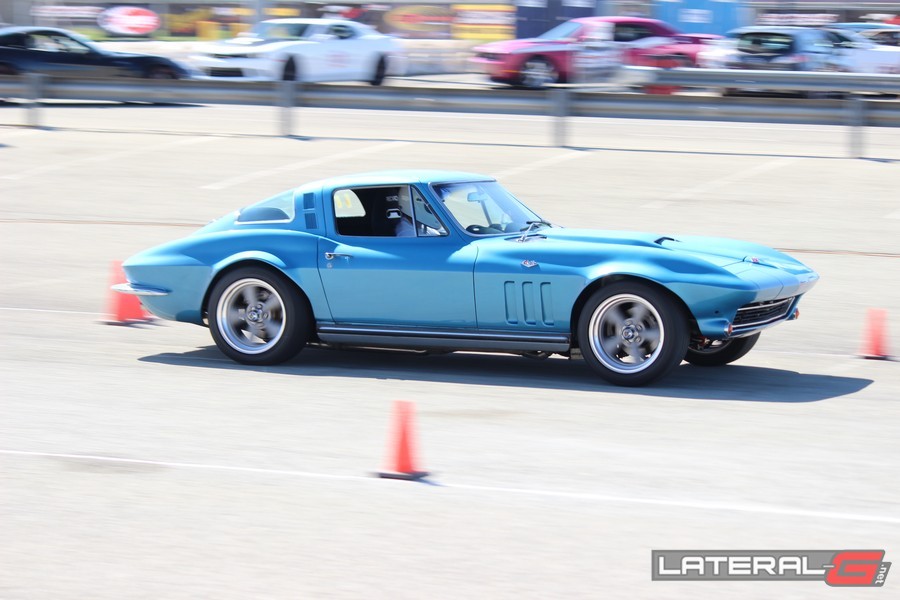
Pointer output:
x,y
224,72
762,313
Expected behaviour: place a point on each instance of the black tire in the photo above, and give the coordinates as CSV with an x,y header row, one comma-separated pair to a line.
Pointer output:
x,y
161,72
257,317
632,333
380,72
291,71
721,353
537,72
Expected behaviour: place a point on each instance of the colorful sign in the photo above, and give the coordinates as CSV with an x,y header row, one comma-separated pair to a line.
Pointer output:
x,y
129,20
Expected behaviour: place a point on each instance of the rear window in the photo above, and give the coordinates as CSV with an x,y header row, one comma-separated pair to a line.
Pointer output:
x,y
766,43
277,209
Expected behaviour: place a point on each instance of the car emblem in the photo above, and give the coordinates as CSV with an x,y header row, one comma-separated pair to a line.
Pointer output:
x,y
528,264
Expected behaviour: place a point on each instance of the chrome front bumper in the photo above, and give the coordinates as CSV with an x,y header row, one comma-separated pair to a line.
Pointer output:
x,y
135,289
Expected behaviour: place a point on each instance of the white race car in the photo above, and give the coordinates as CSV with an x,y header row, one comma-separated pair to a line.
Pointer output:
x,y
310,50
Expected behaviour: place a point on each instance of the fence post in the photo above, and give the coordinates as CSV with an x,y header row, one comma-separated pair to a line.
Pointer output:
x,y
35,84
286,90
856,121
559,110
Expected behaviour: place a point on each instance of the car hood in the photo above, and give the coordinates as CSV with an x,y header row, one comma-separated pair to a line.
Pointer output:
x,y
512,46
719,252
242,45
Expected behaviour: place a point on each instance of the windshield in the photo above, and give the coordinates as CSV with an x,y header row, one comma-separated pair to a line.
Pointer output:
x,y
280,31
485,208
561,31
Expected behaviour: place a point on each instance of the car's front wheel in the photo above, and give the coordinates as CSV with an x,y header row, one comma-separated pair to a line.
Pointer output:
x,y
632,333
257,317
718,353
380,72
538,72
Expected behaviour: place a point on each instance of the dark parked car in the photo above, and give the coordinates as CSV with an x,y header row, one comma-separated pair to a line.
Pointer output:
x,y
61,53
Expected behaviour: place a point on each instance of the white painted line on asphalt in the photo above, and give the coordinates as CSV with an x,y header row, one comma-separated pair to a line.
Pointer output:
x,y
749,508
140,149
219,185
707,186
538,164
699,505
182,465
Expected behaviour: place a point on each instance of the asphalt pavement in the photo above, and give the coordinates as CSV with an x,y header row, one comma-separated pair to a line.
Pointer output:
x,y
137,462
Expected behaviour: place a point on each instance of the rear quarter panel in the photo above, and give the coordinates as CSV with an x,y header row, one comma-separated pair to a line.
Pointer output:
x,y
188,267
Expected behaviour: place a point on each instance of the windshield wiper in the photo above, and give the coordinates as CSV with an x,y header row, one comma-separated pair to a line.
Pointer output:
x,y
526,231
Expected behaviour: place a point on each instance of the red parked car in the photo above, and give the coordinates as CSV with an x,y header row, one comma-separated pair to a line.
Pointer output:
x,y
554,56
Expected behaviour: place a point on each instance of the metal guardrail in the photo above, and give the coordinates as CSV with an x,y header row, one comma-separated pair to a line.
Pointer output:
x,y
560,102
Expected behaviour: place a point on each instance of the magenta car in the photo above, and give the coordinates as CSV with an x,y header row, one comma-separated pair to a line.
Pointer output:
x,y
552,57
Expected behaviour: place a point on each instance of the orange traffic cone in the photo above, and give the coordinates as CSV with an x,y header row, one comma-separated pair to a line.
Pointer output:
x,y
401,464
123,308
875,344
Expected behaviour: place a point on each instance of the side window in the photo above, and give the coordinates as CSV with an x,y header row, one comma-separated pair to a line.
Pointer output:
x,y
387,211
341,32
626,32
427,223
827,42
277,209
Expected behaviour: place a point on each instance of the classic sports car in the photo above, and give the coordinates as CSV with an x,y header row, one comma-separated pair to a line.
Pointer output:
x,y
308,50
554,56
61,53
435,260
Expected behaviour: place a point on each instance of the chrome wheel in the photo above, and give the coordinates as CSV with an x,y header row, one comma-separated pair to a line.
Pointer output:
x,y
632,332
251,316
626,333
538,72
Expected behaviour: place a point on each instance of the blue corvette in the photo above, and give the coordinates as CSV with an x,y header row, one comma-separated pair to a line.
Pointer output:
x,y
435,260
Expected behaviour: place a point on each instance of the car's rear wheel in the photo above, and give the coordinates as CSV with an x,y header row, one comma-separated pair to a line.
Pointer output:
x,y
538,72
632,333
257,317
380,72
720,352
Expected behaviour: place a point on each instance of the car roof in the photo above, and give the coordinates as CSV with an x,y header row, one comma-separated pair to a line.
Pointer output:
x,y
608,19
400,176
31,29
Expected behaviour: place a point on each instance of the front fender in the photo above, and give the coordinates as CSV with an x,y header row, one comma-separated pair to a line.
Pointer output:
x,y
711,294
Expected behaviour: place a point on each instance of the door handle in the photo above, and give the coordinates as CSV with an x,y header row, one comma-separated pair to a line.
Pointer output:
x,y
334,255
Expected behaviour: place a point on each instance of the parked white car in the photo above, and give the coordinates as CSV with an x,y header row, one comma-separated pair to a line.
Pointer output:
x,y
800,49
311,50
